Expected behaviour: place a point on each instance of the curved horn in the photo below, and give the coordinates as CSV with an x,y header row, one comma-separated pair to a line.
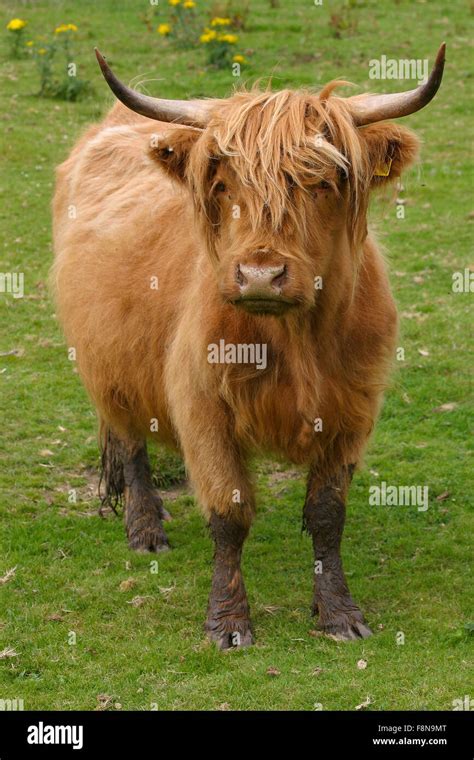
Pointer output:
x,y
366,109
193,113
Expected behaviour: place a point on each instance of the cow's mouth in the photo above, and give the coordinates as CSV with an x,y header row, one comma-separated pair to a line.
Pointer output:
x,y
274,306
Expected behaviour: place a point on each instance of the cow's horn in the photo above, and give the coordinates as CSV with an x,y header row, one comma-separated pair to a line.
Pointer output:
x,y
367,109
194,113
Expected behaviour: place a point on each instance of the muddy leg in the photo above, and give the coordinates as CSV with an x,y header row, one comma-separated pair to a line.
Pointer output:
x,y
324,517
228,615
127,471
217,469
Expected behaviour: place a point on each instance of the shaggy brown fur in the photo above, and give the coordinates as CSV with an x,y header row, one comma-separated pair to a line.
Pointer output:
x,y
138,200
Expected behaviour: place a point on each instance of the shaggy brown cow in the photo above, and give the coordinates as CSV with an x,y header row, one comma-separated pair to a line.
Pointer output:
x,y
215,276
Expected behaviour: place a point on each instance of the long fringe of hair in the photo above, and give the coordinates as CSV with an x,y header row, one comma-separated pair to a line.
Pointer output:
x,y
280,141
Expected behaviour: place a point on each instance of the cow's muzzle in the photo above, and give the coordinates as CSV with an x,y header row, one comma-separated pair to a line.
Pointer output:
x,y
261,289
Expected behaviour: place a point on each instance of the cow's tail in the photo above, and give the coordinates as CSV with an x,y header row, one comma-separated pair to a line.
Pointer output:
x,y
111,483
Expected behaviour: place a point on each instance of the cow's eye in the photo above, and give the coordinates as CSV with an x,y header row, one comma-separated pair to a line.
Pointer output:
x,y
323,185
220,187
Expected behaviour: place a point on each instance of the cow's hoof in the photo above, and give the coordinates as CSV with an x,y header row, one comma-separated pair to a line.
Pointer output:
x,y
237,639
346,627
152,541
348,632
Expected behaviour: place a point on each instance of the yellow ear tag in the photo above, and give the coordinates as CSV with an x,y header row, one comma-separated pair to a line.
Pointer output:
x,y
383,170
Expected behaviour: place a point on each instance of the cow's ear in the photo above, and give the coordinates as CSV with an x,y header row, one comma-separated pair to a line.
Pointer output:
x,y
171,148
390,150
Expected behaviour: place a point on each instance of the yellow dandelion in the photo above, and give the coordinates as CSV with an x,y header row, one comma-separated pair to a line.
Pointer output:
x,y
65,28
42,51
238,58
30,43
230,38
164,29
16,24
174,2
219,21
208,35
189,4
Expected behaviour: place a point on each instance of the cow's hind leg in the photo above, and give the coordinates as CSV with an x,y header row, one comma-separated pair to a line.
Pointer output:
x,y
324,517
126,473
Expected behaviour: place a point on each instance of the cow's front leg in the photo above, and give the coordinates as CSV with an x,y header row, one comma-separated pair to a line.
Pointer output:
x,y
324,517
216,467
228,615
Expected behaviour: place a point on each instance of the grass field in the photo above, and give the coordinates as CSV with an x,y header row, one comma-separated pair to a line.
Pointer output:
x,y
408,569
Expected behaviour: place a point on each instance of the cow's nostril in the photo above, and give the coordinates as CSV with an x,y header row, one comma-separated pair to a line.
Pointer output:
x,y
264,279
279,278
239,275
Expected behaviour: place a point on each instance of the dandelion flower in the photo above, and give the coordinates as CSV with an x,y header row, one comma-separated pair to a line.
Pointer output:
x,y
189,4
218,21
230,38
65,28
238,58
208,35
164,29
16,24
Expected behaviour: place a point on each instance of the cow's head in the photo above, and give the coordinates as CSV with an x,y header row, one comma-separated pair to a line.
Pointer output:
x,y
280,181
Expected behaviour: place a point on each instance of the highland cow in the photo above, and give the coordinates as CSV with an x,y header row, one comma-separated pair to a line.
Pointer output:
x,y
185,225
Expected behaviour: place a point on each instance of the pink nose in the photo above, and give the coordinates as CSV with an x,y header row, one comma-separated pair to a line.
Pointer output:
x,y
260,281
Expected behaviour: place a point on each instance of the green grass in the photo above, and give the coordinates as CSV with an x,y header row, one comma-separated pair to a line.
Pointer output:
x,y
409,570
